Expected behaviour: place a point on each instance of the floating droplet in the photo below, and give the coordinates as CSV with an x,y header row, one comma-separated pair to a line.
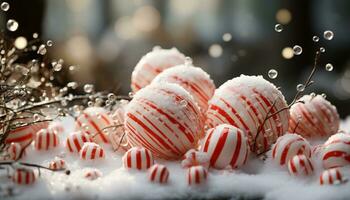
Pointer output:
x,y
328,35
71,68
35,35
72,85
111,97
322,49
312,95
188,61
227,37
5,6
49,43
300,87
329,67
297,50
215,50
278,28
12,25
21,42
315,38
272,73
42,50
88,88
57,66
324,95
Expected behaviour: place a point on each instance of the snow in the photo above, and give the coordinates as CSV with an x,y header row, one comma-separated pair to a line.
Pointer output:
x,y
256,180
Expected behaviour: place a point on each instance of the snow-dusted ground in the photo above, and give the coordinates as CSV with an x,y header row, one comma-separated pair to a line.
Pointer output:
x,y
256,180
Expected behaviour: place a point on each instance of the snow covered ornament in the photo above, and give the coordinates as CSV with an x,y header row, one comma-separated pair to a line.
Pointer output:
x,y
46,139
93,174
226,145
193,79
22,135
93,121
332,176
194,158
14,151
158,174
56,127
197,175
23,176
57,164
76,140
314,118
300,165
244,102
165,119
336,151
152,64
138,158
91,151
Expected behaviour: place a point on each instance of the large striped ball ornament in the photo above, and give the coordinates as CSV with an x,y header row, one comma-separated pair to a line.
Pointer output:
x,y
93,121
152,64
288,146
14,151
194,158
245,102
314,118
193,79
23,176
197,175
22,135
56,126
158,174
138,158
336,151
57,164
165,119
332,176
76,140
93,174
300,165
226,145
46,139
91,151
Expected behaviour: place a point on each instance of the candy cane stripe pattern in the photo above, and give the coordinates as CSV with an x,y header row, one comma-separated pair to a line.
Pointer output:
x,y
23,176
300,165
91,151
76,140
152,64
158,174
194,158
57,164
138,158
197,175
93,121
56,127
93,174
226,145
164,118
288,146
332,176
14,151
314,118
193,79
244,102
22,135
336,151
46,139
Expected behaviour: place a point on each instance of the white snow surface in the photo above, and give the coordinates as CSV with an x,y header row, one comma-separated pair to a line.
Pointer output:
x,y
257,179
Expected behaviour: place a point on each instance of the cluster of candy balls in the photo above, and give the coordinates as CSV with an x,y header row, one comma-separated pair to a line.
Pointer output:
x,y
177,113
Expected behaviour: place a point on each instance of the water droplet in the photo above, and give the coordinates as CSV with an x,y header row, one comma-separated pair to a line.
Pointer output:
x,y
36,117
278,28
300,87
131,94
21,42
312,95
323,95
90,103
42,50
72,85
322,49
5,6
315,38
111,97
328,35
215,50
49,43
88,88
12,25
35,35
57,66
188,61
227,37
297,50
272,73
71,68
329,67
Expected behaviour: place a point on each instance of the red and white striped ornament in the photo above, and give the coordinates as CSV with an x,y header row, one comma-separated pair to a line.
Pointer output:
x,y
57,164
46,139
165,119
332,176
152,64
314,118
93,174
158,174
193,79
300,165
93,120
244,102
336,151
91,151
76,140
14,151
56,127
226,145
197,175
288,146
23,176
194,158
138,158
22,135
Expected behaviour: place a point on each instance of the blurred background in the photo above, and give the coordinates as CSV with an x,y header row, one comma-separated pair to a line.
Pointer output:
x,y
103,40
